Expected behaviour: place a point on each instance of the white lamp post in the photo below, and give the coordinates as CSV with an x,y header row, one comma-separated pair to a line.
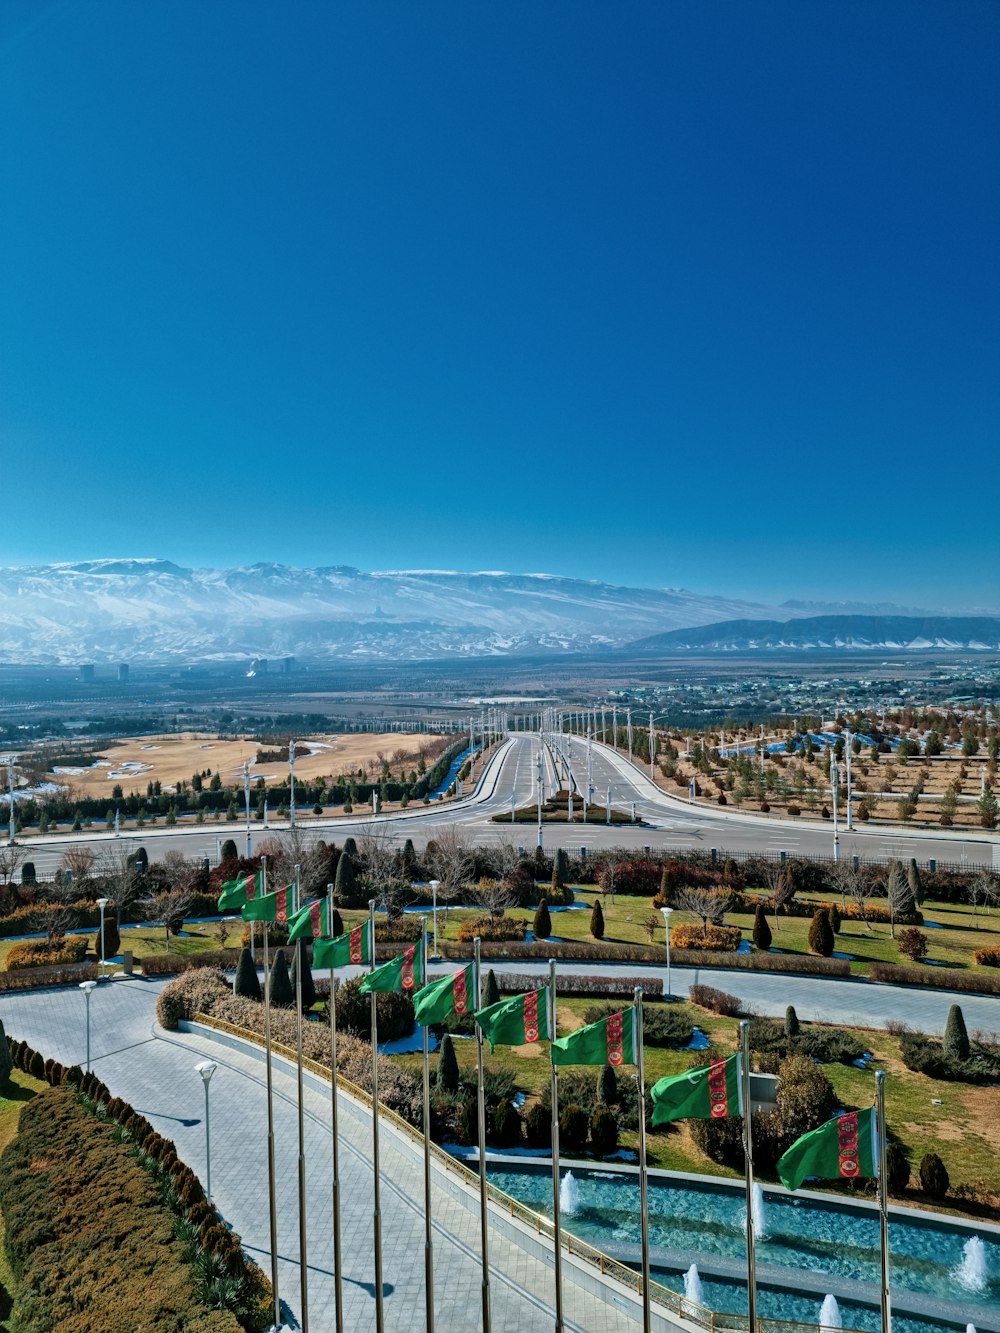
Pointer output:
x,y
666,925
206,1069
434,910
102,903
87,987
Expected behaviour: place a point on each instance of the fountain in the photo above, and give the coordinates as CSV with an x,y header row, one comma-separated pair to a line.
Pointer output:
x,y
759,1214
970,1328
971,1272
829,1314
569,1195
693,1290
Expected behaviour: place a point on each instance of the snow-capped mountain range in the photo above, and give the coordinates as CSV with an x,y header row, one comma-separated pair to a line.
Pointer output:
x,y
150,610
155,611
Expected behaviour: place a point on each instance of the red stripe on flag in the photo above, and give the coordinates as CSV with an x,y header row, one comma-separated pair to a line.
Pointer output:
x,y
531,1016
281,906
848,1148
718,1096
316,919
458,993
407,973
614,1031
354,944
250,887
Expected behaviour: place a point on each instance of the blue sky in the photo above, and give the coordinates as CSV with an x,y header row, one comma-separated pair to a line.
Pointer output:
x,y
700,294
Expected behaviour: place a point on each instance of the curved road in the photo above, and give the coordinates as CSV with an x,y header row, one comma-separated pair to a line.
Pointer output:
x,y
511,777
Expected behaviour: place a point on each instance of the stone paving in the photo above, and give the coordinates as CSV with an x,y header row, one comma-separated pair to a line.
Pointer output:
x,y
155,1072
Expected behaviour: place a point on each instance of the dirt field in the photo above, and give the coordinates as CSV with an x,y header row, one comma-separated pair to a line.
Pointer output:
x,y
139,760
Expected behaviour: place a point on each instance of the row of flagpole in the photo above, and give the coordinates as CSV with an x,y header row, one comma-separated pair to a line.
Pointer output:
x,y
413,964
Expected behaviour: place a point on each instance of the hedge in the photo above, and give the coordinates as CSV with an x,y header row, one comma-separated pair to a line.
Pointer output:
x,y
67,975
937,978
714,939
40,953
166,964
719,1001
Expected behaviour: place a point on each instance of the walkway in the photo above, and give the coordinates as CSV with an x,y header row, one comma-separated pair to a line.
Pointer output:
x,y
155,1072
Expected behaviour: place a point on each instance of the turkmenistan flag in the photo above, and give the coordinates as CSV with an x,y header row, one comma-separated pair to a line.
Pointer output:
x,y
453,994
517,1021
270,906
610,1041
311,922
709,1093
846,1146
243,889
351,947
403,973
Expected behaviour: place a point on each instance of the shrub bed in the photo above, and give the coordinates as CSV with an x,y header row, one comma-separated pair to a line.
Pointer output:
x,y
719,1001
43,953
829,1045
938,978
661,1024
66,975
492,929
987,957
721,939
78,1235
925,1055
163,964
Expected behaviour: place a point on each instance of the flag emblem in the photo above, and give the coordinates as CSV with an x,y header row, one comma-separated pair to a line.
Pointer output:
x,y
614,1030
717,1095
282,905
531,1016
356,946
459,993
847,1145
406,976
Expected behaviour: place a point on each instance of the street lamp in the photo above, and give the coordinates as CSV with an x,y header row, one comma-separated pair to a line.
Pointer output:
x,y
666,925
87,987
102,903
206,1069
434,910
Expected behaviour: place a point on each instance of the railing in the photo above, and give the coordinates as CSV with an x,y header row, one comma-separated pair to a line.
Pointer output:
x,y
671,1302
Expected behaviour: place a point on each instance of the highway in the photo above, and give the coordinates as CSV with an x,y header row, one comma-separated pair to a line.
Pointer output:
x,y
511,777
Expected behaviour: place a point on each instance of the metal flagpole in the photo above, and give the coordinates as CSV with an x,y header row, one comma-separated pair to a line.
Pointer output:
x,y
555,1149
303,1245
640,1081
883,1201
481,1108
748,1159
376,1185
272,1197
338,1286
428,1229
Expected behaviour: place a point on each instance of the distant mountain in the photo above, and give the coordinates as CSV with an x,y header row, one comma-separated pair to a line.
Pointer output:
x,y
155,611
811,633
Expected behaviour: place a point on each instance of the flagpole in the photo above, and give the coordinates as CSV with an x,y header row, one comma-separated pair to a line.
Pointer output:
x,y
748,1159
555,1148
338,1286
303,1245
883,1201
376,1190
428,1232
640,1079
272,1197
483,1187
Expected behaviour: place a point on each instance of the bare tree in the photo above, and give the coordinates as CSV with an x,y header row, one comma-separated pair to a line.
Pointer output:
x,y
11,856
379,872
856,884
80,862
288,849
451,862
607,875
780,884
123,886
711,904
898,894
983,888
495,896
171,908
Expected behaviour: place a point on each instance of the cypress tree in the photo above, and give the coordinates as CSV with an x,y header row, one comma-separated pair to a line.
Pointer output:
x,y
543,922
112,939
821,939
597,920
666,886
558,873
956,1039
761,937
345,889
350,848
301,963
246,983
335,923
282,995
491,991
791,1022
229,850
6,1061
607,1086
836,921
915,882
448,1076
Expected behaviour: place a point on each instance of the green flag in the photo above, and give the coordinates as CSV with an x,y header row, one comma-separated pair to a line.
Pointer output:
x,y
709,1093
451,995
269,907
243,889
403,973
516,1021
610,1041
351,947
845,1147
312,921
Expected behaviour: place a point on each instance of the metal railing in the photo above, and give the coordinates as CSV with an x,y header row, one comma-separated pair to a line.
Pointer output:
x,y
670,1302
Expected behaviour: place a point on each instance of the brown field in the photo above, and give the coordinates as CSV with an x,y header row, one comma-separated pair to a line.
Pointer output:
x,y
169,759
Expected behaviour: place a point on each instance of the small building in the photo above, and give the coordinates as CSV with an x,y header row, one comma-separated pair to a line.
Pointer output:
x,y
123,673
87,671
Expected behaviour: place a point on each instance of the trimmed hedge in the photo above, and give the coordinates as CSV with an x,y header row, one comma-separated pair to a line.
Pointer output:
x,y
67,975
937,978
493,929
721,939
166,964
40,953
719,1001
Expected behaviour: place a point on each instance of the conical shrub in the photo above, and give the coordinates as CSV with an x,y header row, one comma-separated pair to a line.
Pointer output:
x,y
282,994
246,982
